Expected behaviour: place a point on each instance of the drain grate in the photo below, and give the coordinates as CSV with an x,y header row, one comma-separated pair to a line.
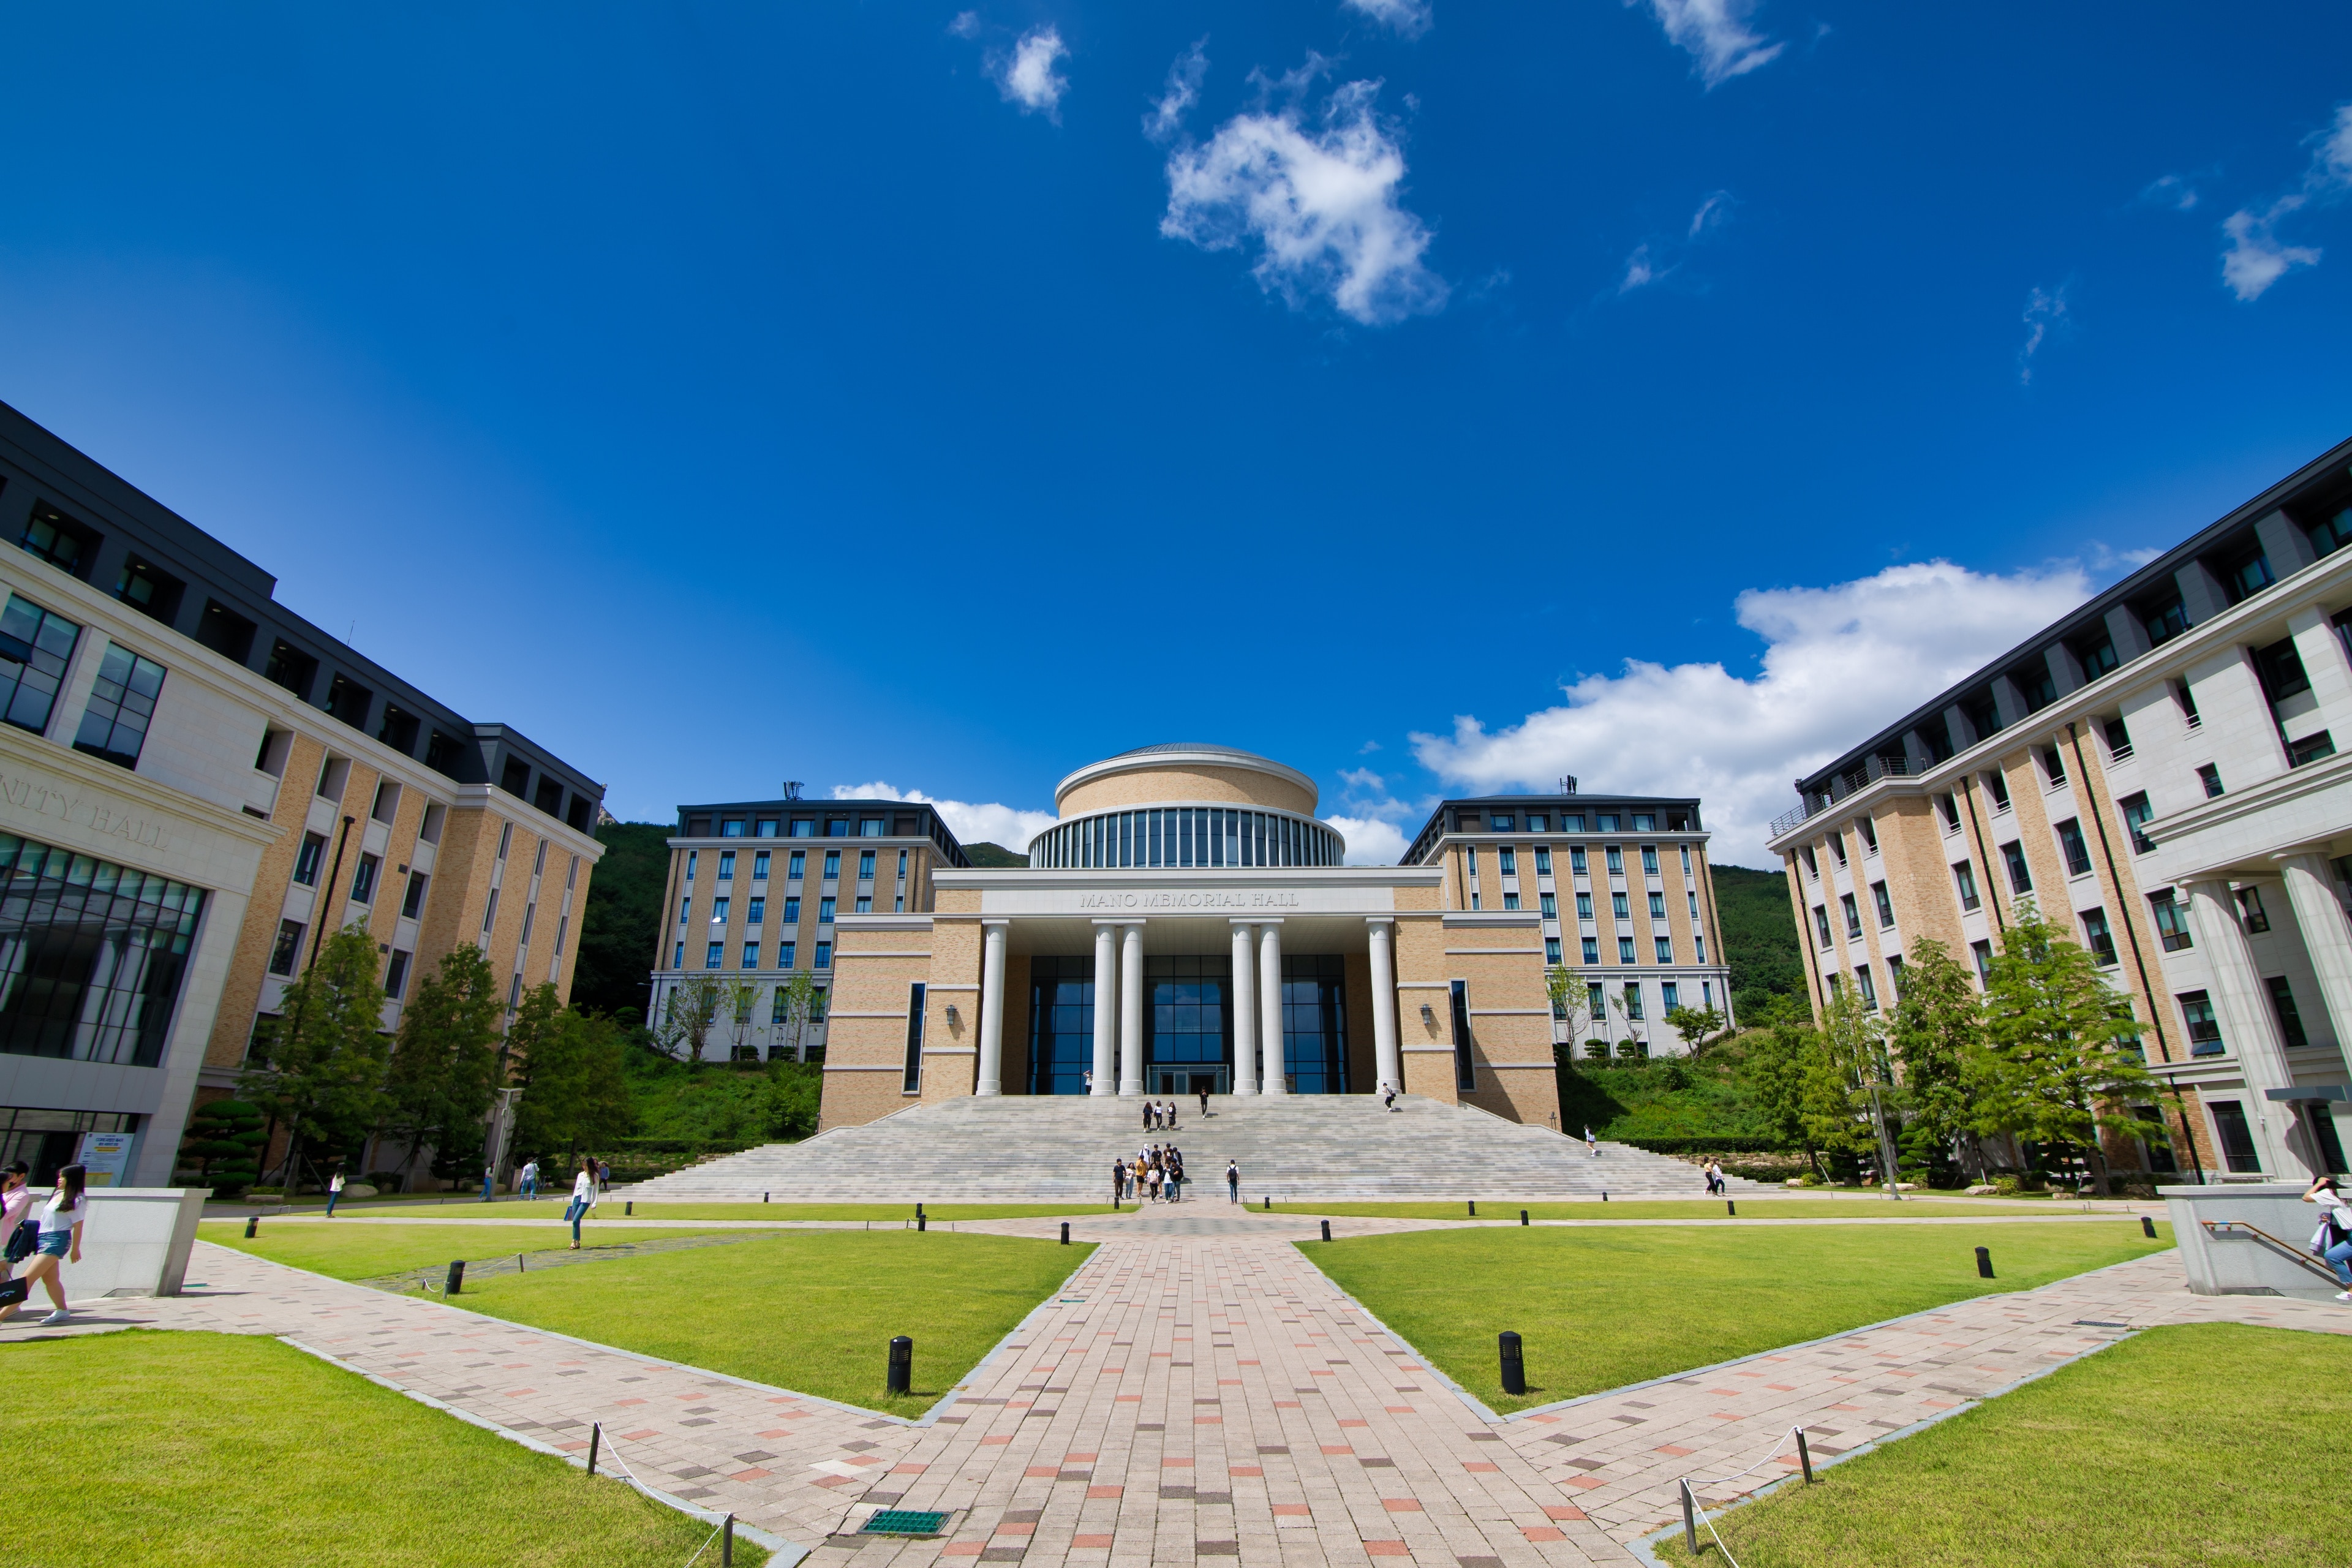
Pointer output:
x,y
903,1521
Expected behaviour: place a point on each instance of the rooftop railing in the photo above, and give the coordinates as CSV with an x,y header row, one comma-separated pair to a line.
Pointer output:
x,y
1853,781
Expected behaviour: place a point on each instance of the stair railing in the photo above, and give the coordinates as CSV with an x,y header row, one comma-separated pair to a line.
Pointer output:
x,y
2292,1253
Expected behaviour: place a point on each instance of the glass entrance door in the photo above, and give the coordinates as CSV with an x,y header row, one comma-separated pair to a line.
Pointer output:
x,y
1187,1025
1185,1081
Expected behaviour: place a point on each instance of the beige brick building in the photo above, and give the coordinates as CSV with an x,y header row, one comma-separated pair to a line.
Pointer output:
x,y
2159,773
1189,925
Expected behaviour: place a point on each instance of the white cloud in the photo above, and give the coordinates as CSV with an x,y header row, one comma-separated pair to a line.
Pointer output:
x,y
1026,76
1655,259
1370,841
2256,258
2045,311
1838,662
1715,33
1182,91
1005,825
2172,190
1640,270
966,25
1406,19
2331,161
1319,200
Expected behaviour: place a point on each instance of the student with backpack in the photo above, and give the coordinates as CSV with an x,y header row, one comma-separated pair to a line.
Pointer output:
x,y
2332,1242
59,1243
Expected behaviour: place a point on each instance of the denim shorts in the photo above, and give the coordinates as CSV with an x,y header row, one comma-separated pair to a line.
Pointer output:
x,y
56,1243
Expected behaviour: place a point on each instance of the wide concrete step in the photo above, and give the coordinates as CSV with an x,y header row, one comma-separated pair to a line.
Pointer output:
x,y
1329,1148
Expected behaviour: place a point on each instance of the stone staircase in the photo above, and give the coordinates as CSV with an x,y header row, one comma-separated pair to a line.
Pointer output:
x,y
1295,1148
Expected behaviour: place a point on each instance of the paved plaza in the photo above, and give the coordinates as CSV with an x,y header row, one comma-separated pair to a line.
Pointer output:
x,y
1198,1389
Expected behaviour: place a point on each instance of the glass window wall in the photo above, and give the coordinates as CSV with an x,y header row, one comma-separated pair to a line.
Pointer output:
x,y
1061,1025
1186,836
91,955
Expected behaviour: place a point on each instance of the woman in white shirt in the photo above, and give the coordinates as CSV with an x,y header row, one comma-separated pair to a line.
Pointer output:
x,y
17,1200
2333,1210
584,1198
60,1239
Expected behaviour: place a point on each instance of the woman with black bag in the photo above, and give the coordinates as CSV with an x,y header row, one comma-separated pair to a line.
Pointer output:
x,y
2333,1242
60,1241
16,1222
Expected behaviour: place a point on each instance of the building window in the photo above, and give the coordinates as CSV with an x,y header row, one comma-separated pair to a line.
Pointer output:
x,y
1470,860
796,867
714,955
678,958
1510,901
121,704
1813,864
1666,949
1592,950
1867,988
727,865
2237,1139
902,864
1982,952
1584,905
760,866
786,954
1895,978
1543,859
2249,911
1657,906
1550,905
1822,924
792,911
1619,909
1625,950
1698,946
2119,743
1996,785
2137,814
490,909
2078,852
2204,1030
2310,748
1616,860
1501,822
349,700
1837,847
865,866
1853,915
395,974
719,911
2098,937
2290,1022
2164,620
1551,951
1885,905
306,860
1861,825
58,540
1949,810
1474,899
1605,822
755,912
750,955
363,880
286,949
1693,897
2170,924
824,955
832,864
1634,999
1964,877
1507,862
2021,881
802,828
1576,864
1649,860
1669,997
825,908
35,648
864,904
2096,654
685,908
2054,765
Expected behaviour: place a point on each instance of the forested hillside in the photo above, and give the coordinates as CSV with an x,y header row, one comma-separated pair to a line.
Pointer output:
x,y
1759,939
624,915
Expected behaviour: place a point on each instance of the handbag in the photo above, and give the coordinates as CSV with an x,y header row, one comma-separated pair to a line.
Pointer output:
x,y
22,1240
14,1291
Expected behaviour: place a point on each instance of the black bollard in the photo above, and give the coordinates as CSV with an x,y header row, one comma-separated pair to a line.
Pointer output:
x,y
1515,1369
1066,1233
1473,1208
902,1365
726,1543
519,1268
919,1211
764,1197
921,1222
252,1225
1731,1208
1984,1262
1523,1216
457,1280
629,1209
1327,1230
1804,1457
1604,1195
595,1444
1690,1521
2147,1227
1267,1203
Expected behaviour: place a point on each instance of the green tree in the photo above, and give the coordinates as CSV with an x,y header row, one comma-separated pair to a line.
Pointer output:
x,y
1838,1078
1780,1059
796,1008
1696,1025
576,1089
444,1062
794,1093
225,1139
735,1000
687,1016
1938,1030
2055,1068
322,1064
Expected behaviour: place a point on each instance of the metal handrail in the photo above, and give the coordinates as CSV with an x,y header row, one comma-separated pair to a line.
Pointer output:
x,y
2293,1254
1853,781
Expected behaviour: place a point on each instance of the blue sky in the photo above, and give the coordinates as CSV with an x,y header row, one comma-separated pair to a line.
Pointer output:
x,y
1440,399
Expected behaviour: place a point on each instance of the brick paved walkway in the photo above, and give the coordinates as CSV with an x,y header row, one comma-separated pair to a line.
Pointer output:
x,y
1200,1390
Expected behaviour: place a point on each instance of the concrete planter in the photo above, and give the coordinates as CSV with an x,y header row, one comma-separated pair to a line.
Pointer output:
x,y
135,1242
2242,1265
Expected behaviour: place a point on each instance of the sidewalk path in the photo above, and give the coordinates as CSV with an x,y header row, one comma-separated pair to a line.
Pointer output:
x,y
1200,1390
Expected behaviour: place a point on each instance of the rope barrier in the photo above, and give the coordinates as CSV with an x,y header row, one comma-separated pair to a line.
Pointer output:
x,y
612,1446
1694,1508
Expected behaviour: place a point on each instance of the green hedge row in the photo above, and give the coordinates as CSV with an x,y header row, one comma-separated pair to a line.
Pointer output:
x,y
1732,1144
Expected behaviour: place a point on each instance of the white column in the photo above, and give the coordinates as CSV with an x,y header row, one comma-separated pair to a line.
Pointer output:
x,y
991,1008
1105,1007
2247,1026
1269,1005
1388,1060
1130,1010
1244,1010
2311,890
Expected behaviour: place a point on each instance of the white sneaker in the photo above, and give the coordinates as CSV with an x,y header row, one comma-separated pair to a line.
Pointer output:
x,y
54,1318
2344,1295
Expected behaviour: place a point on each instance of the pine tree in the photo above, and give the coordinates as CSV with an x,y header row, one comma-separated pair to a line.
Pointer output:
x,y
322,1058
1939,1028
576,1090
444,1066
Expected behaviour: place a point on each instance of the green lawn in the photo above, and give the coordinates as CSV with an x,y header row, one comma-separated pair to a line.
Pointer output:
x,y
2127,1457
370,1251
1669,1208
811,1310
1602,1307
614,1208
193,1449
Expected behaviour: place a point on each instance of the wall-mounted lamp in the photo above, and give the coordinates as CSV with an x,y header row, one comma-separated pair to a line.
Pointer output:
x,y
1428,1016
953,1021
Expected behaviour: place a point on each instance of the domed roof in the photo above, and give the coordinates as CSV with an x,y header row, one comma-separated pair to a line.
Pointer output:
x,y
1293,791
1209,746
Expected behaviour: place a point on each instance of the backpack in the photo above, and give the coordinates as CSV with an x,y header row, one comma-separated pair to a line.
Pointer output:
x,y
21,1242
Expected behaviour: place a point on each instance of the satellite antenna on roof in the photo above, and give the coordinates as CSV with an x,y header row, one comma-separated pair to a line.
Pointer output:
x,y
792,789
1567,783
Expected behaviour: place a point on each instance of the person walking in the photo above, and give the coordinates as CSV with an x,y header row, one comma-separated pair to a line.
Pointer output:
x,y
584,1198
490,1182
59,1243
1147,1115
1117,1182
1232,1182
1714,1177
528,1181
603,1175
1205,1104
1591,1143
2333,1240
334,1191
1175,1174
1387,1095
19,1231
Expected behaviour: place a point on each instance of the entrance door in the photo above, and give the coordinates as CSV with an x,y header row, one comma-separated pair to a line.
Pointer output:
x,y
1184,1081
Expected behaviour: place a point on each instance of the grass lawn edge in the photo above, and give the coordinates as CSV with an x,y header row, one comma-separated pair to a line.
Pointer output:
x,y
1644,1547
771,1543
1488,1414
926,1419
